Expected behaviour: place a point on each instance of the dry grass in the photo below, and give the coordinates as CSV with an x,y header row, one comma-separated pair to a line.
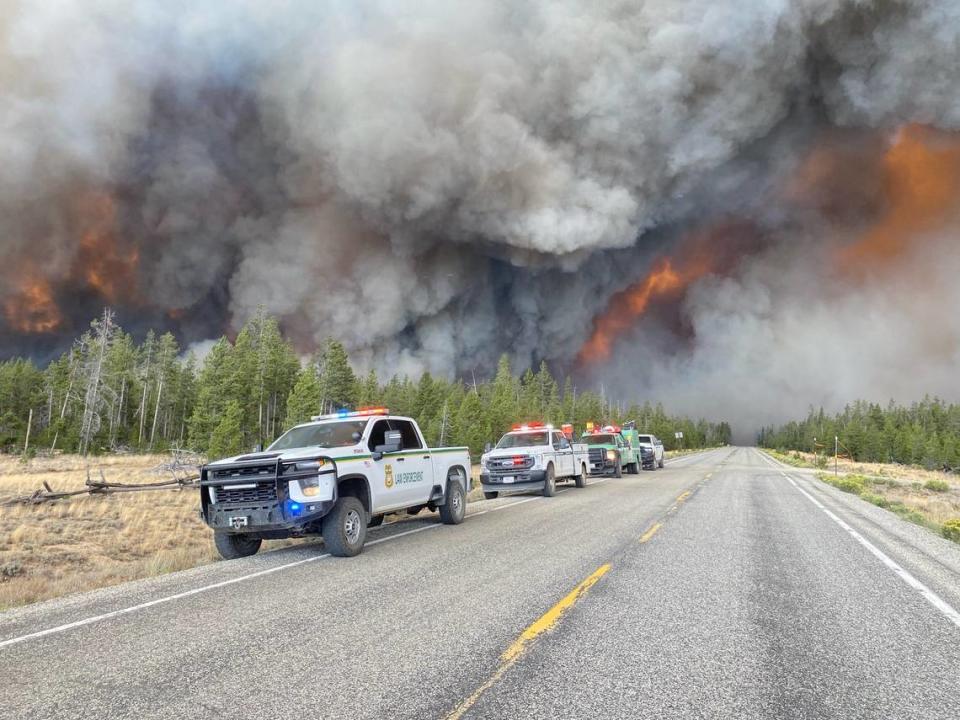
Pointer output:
x,y
87,542
904,489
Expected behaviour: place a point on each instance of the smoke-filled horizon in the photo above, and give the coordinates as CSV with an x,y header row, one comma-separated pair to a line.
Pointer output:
x,y
739,208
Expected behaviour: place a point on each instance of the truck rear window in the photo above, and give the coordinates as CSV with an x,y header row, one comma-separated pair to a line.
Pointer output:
x,y
330,434
645,439
599,440
523,440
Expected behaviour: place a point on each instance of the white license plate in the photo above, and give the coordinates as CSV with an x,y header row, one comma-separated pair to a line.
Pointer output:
x,y
509,479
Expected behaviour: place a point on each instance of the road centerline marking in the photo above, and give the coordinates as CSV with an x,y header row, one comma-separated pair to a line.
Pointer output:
x,y
518,647
650,532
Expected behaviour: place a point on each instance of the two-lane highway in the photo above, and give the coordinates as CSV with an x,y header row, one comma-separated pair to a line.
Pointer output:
x,y
718,587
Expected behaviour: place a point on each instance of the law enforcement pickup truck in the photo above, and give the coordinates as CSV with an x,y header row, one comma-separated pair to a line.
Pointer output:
x,y
333,476
533,456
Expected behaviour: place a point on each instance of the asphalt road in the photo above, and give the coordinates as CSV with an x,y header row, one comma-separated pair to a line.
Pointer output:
x,y
722,586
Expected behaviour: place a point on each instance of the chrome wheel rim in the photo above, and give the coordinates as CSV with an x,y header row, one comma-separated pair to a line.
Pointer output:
x,y
351,527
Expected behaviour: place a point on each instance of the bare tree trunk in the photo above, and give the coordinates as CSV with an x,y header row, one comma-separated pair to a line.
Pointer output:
x,y
26,443
63,409
143,400
92,397
156,411
123,388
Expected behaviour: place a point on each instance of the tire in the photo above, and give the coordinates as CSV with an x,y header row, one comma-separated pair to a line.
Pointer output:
x,y
660,464
344,531
491,495
581,479
454,509
550,483
619,471
232,546
375,521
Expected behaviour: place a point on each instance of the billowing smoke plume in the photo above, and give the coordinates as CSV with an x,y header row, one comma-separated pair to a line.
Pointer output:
x,y
437,182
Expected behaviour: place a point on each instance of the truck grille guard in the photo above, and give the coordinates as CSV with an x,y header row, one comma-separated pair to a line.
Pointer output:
x,y
256,481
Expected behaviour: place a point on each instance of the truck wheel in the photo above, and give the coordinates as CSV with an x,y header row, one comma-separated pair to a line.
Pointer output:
x,y
454,509
550,484
660,464
634,468
619,471
344,530
375,521
491,495
581,479
232,546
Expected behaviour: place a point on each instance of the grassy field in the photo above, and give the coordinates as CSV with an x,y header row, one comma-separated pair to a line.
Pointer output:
x,y
86,542
926,497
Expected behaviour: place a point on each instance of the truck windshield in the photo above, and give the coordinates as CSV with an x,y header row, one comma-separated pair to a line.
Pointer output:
x,y
598,440
331,434
644,440
527,439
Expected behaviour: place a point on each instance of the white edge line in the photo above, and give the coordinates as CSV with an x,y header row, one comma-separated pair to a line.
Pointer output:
x,y
929,595
232,581
158,601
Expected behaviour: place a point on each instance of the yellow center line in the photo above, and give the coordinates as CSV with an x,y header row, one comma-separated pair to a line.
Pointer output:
x,y
550,618
683,496
651,531
516,650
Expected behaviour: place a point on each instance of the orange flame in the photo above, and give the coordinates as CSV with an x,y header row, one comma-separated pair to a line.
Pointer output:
x,y
33,309
664,280
921,182
102,262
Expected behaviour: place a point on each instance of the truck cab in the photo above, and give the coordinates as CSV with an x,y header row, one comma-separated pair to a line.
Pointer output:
x,y
533,456
610,450
333,477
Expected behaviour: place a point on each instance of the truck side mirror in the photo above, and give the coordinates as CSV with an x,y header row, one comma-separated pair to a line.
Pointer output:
x,y
392,442
488,447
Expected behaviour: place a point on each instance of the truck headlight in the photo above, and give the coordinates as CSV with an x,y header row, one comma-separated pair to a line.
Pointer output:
x,y
611,454
310,486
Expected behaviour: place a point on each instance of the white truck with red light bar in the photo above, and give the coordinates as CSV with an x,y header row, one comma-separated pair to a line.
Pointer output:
x,y
533,456
333,476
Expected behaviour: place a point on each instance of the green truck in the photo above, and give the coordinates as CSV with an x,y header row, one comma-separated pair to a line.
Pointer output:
x,y
611,452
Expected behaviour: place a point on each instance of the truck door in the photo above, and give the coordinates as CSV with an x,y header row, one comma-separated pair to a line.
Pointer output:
x,y
564,455
381,494
411,468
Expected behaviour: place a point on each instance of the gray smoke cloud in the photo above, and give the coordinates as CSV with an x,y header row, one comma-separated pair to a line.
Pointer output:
x,y
438,182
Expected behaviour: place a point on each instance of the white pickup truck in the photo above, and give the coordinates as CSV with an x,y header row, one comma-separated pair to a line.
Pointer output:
x,y
533,457
652,443
333,477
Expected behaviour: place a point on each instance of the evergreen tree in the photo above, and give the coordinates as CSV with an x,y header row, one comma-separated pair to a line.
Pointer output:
x,y
338,384
228,436
304,399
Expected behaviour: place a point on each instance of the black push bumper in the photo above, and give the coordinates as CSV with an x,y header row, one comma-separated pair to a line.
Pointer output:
x,y
266,520
607,467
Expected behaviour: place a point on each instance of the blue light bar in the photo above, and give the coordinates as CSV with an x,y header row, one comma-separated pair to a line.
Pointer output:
x,y
347,413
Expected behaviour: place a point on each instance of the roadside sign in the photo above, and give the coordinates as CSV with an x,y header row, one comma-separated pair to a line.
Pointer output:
x,y
678,435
